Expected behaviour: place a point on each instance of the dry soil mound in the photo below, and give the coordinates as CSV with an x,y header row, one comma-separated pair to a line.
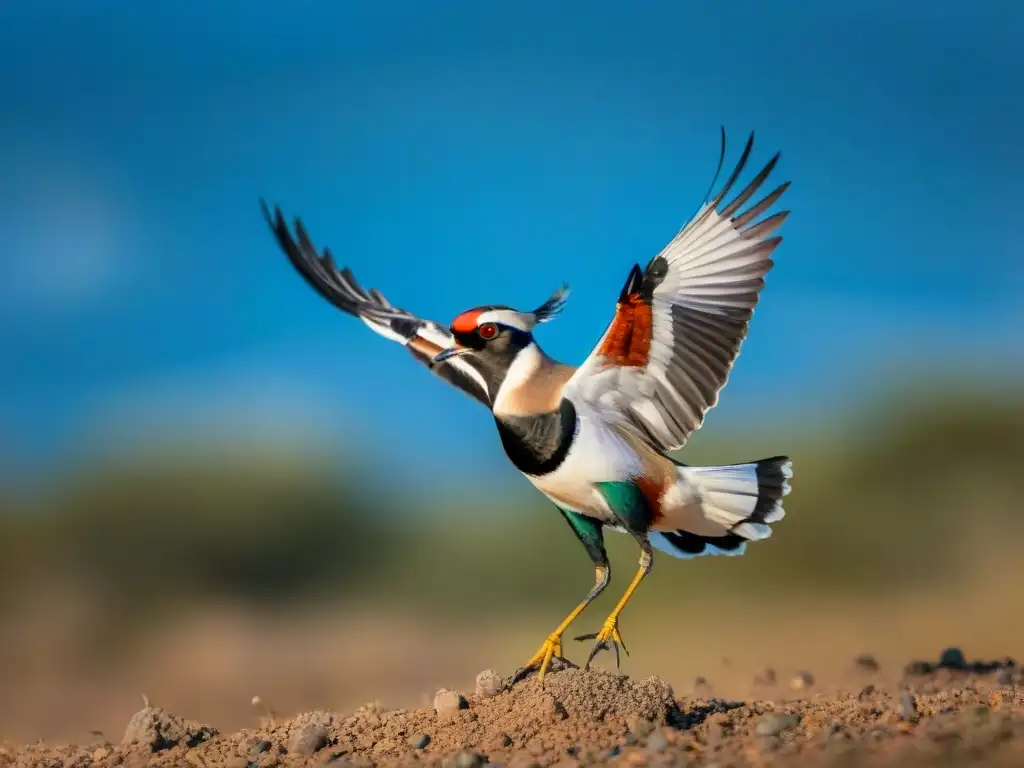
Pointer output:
x,y
936,716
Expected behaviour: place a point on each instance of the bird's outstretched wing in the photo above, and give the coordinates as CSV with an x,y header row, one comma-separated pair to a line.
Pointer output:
x,y
679,323
423,338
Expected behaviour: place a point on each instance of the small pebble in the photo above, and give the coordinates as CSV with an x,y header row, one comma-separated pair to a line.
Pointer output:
x,y
308,740
506,740
918,668
776,723
447,703
835,731
700,682
865,662
952,658
100,754
867,690
879,733
765,677
260,747
488,683
615,751
1005,676
656,742
468,759
419,741
802,681
907,708
639,726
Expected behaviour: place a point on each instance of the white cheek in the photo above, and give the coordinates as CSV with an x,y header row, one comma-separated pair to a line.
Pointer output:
x,y
470,371
523,367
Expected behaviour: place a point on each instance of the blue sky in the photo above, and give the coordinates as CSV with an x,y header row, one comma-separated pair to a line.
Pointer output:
x,y
460,153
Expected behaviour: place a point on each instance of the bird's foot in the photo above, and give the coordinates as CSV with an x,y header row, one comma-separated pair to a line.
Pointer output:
x,y
608,638
542,660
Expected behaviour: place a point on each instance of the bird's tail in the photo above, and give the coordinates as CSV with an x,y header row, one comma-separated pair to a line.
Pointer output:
x,y
738,501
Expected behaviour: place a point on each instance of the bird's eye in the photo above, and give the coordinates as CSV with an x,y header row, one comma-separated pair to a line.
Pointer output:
x,y
487,331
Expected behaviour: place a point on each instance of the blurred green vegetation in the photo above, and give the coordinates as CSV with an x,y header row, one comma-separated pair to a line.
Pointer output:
x,y
887,499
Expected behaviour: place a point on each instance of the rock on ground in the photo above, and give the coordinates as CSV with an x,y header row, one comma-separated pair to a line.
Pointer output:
x,y
592,718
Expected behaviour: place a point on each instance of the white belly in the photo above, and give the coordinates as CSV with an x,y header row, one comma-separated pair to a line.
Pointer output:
x,y
598,454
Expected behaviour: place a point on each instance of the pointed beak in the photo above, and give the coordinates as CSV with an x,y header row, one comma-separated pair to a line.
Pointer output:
x,y
451,352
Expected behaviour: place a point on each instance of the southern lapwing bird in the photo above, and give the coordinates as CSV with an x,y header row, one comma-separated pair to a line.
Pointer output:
x,y
594,438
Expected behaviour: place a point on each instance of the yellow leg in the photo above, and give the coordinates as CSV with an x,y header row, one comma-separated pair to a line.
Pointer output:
x,y
609,636
552,647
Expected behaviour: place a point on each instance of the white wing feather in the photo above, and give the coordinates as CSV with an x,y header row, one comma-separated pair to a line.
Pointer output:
x,y
701,290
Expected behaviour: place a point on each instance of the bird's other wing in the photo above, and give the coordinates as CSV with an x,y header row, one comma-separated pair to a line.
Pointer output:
x,y
423,338
679,323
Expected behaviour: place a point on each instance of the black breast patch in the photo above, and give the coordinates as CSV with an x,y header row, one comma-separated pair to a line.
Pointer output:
x,y
538,444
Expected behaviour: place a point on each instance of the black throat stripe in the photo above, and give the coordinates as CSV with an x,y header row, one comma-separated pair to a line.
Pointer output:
x,y
538,444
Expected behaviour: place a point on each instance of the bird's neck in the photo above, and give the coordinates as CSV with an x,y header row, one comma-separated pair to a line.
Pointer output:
x,y
538,443
532,385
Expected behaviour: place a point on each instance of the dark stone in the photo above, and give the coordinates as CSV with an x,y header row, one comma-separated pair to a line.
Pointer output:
x,y
260,747
865,662
309,740
952,658
918,668
419,741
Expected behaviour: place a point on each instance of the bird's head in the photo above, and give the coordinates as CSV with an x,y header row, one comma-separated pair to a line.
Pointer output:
x,y
490,338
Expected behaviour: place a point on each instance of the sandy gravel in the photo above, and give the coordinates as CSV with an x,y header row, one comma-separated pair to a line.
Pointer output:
x,y
946,712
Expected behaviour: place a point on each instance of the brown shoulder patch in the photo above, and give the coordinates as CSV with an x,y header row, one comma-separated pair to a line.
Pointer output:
x,y
652,488
628,341
657,473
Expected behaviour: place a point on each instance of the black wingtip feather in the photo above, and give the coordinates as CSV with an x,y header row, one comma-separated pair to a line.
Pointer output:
x,y
633,283
740,165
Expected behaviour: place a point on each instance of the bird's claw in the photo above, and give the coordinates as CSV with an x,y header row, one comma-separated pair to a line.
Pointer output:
x,y
542,661
607,639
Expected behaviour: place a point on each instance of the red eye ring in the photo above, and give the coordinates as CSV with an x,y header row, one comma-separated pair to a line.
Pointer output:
x,y
487,331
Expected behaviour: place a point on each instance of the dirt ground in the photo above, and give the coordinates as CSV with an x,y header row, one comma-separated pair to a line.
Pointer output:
x,y
950,711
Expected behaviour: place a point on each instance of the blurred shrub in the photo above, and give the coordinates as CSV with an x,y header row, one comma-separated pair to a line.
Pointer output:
x,y
233,526
885,501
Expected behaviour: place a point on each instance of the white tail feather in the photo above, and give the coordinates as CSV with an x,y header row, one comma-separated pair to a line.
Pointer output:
x,y
743,499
